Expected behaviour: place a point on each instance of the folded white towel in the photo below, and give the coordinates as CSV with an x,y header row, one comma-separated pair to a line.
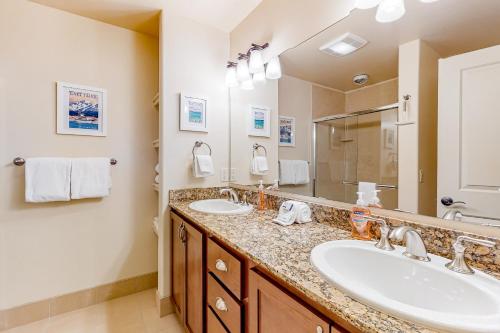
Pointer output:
x,y
203,166
90,178
294,172
259,165
293,211
303,212
157,179
157,168
368,190
47,179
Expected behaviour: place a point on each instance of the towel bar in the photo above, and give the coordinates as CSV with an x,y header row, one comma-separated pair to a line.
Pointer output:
x,y
19,161
256,147
198,144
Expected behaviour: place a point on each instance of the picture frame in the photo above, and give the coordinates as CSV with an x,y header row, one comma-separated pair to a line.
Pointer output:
x,y
287,131
193,113
259,122
81,110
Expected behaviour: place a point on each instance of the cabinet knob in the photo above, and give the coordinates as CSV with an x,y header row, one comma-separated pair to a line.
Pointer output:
x,y
220,304
220,265
319,329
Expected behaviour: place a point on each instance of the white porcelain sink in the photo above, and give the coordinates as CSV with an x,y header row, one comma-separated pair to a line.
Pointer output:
x,y
423,292
220,207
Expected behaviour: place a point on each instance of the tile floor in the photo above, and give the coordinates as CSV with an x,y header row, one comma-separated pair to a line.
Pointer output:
x,y
131,314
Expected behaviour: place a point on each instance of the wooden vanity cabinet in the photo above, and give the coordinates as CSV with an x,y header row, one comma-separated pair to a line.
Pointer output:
x,y
188,274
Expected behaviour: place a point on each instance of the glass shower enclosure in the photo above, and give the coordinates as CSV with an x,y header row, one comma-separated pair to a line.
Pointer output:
x,y
357,147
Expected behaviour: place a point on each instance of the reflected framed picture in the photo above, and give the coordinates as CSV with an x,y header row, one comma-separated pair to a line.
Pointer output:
x,y
287,131
81,110
259,121
193,113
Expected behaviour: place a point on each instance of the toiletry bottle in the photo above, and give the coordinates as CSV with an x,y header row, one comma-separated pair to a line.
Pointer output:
x,y
262,197
359,219
375,201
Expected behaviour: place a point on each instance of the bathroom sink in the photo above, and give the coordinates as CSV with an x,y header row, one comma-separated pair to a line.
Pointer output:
x,y
220,207
423,292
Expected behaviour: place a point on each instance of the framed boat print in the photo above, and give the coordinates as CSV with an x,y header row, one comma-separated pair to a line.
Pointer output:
x,y
193,113
259,121
81,110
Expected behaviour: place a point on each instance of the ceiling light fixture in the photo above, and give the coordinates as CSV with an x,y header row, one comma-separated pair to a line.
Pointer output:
x,y
273,69
388,10
344,45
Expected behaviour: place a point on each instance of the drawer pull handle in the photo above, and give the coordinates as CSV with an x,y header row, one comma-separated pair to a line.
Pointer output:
x,y
220,265
220,304
319,329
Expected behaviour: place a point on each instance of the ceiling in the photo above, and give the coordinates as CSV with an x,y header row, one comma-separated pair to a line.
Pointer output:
x,y
142,15
449,26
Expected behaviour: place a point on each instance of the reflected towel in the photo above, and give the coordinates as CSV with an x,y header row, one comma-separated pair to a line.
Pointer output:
x,y
368,190
259,165
47,179
203,166
294,172
90,178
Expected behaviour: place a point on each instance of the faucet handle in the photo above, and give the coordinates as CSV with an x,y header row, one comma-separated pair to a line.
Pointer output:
x,y
384,242
458,264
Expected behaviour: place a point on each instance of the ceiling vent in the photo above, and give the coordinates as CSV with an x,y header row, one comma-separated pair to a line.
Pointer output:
x,y
344,45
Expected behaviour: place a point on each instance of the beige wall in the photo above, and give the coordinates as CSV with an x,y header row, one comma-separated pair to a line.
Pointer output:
x,y
193,59
241,143
285,24
372,96
295,98
327,101
57,248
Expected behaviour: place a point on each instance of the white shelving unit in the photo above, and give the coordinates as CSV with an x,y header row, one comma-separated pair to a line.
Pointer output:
x,y
156,143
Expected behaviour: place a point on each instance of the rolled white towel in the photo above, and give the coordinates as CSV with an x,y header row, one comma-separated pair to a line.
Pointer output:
x,y
157,168
157,179
303,212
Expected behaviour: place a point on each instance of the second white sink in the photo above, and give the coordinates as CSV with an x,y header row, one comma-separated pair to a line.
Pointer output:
x,y
423,292
220,207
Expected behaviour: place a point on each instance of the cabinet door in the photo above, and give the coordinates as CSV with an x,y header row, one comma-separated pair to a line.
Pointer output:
x,y
272,310
194,279
178,266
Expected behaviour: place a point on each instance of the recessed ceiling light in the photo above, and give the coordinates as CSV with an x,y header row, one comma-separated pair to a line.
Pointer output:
x,y
344,45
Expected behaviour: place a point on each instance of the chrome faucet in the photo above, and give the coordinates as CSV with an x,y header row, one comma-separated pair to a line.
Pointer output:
x,y
232,195
384,243
415,247
458,264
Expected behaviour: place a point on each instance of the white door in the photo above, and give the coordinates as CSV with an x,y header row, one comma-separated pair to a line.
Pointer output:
x,y
469,134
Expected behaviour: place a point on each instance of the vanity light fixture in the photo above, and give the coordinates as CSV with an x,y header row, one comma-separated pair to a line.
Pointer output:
x,y
259,77
273,69
231,78
256,62
242,70
247,85
388,10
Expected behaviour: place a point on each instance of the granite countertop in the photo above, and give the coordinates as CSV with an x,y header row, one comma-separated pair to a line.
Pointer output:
x,y
285,252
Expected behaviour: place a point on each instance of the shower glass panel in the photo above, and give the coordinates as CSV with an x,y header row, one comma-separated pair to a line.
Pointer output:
x,y
353,149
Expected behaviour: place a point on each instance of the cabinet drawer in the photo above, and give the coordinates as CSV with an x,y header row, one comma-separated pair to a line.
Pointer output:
x,y
225,266
213,324
223,304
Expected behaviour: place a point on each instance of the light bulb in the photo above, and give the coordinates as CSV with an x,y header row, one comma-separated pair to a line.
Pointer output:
x,y
256,63
273,70
242,72
366,4
259,77
247,85
390,11
231,79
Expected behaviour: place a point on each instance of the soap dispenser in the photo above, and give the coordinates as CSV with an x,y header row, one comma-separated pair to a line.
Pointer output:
x,y
360,223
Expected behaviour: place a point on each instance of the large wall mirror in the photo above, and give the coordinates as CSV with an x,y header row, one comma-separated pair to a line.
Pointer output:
x,y
409,109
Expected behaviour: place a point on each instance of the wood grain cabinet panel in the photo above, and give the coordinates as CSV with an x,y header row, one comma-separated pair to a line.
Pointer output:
x,y
178,267
223,304
225,266
273,310
213,324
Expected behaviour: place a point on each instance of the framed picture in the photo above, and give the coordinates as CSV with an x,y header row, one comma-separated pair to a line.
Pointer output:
x,y
287,131
193,113
81,110
259,121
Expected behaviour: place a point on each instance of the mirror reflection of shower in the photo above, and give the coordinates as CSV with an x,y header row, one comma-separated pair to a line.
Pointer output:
x,y
357,147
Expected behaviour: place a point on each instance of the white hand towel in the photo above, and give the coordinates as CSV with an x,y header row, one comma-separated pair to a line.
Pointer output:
x,y
301,172
47,179
90,178
259,165
303,212
287,172
203,166
157,168
368,190
157,179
